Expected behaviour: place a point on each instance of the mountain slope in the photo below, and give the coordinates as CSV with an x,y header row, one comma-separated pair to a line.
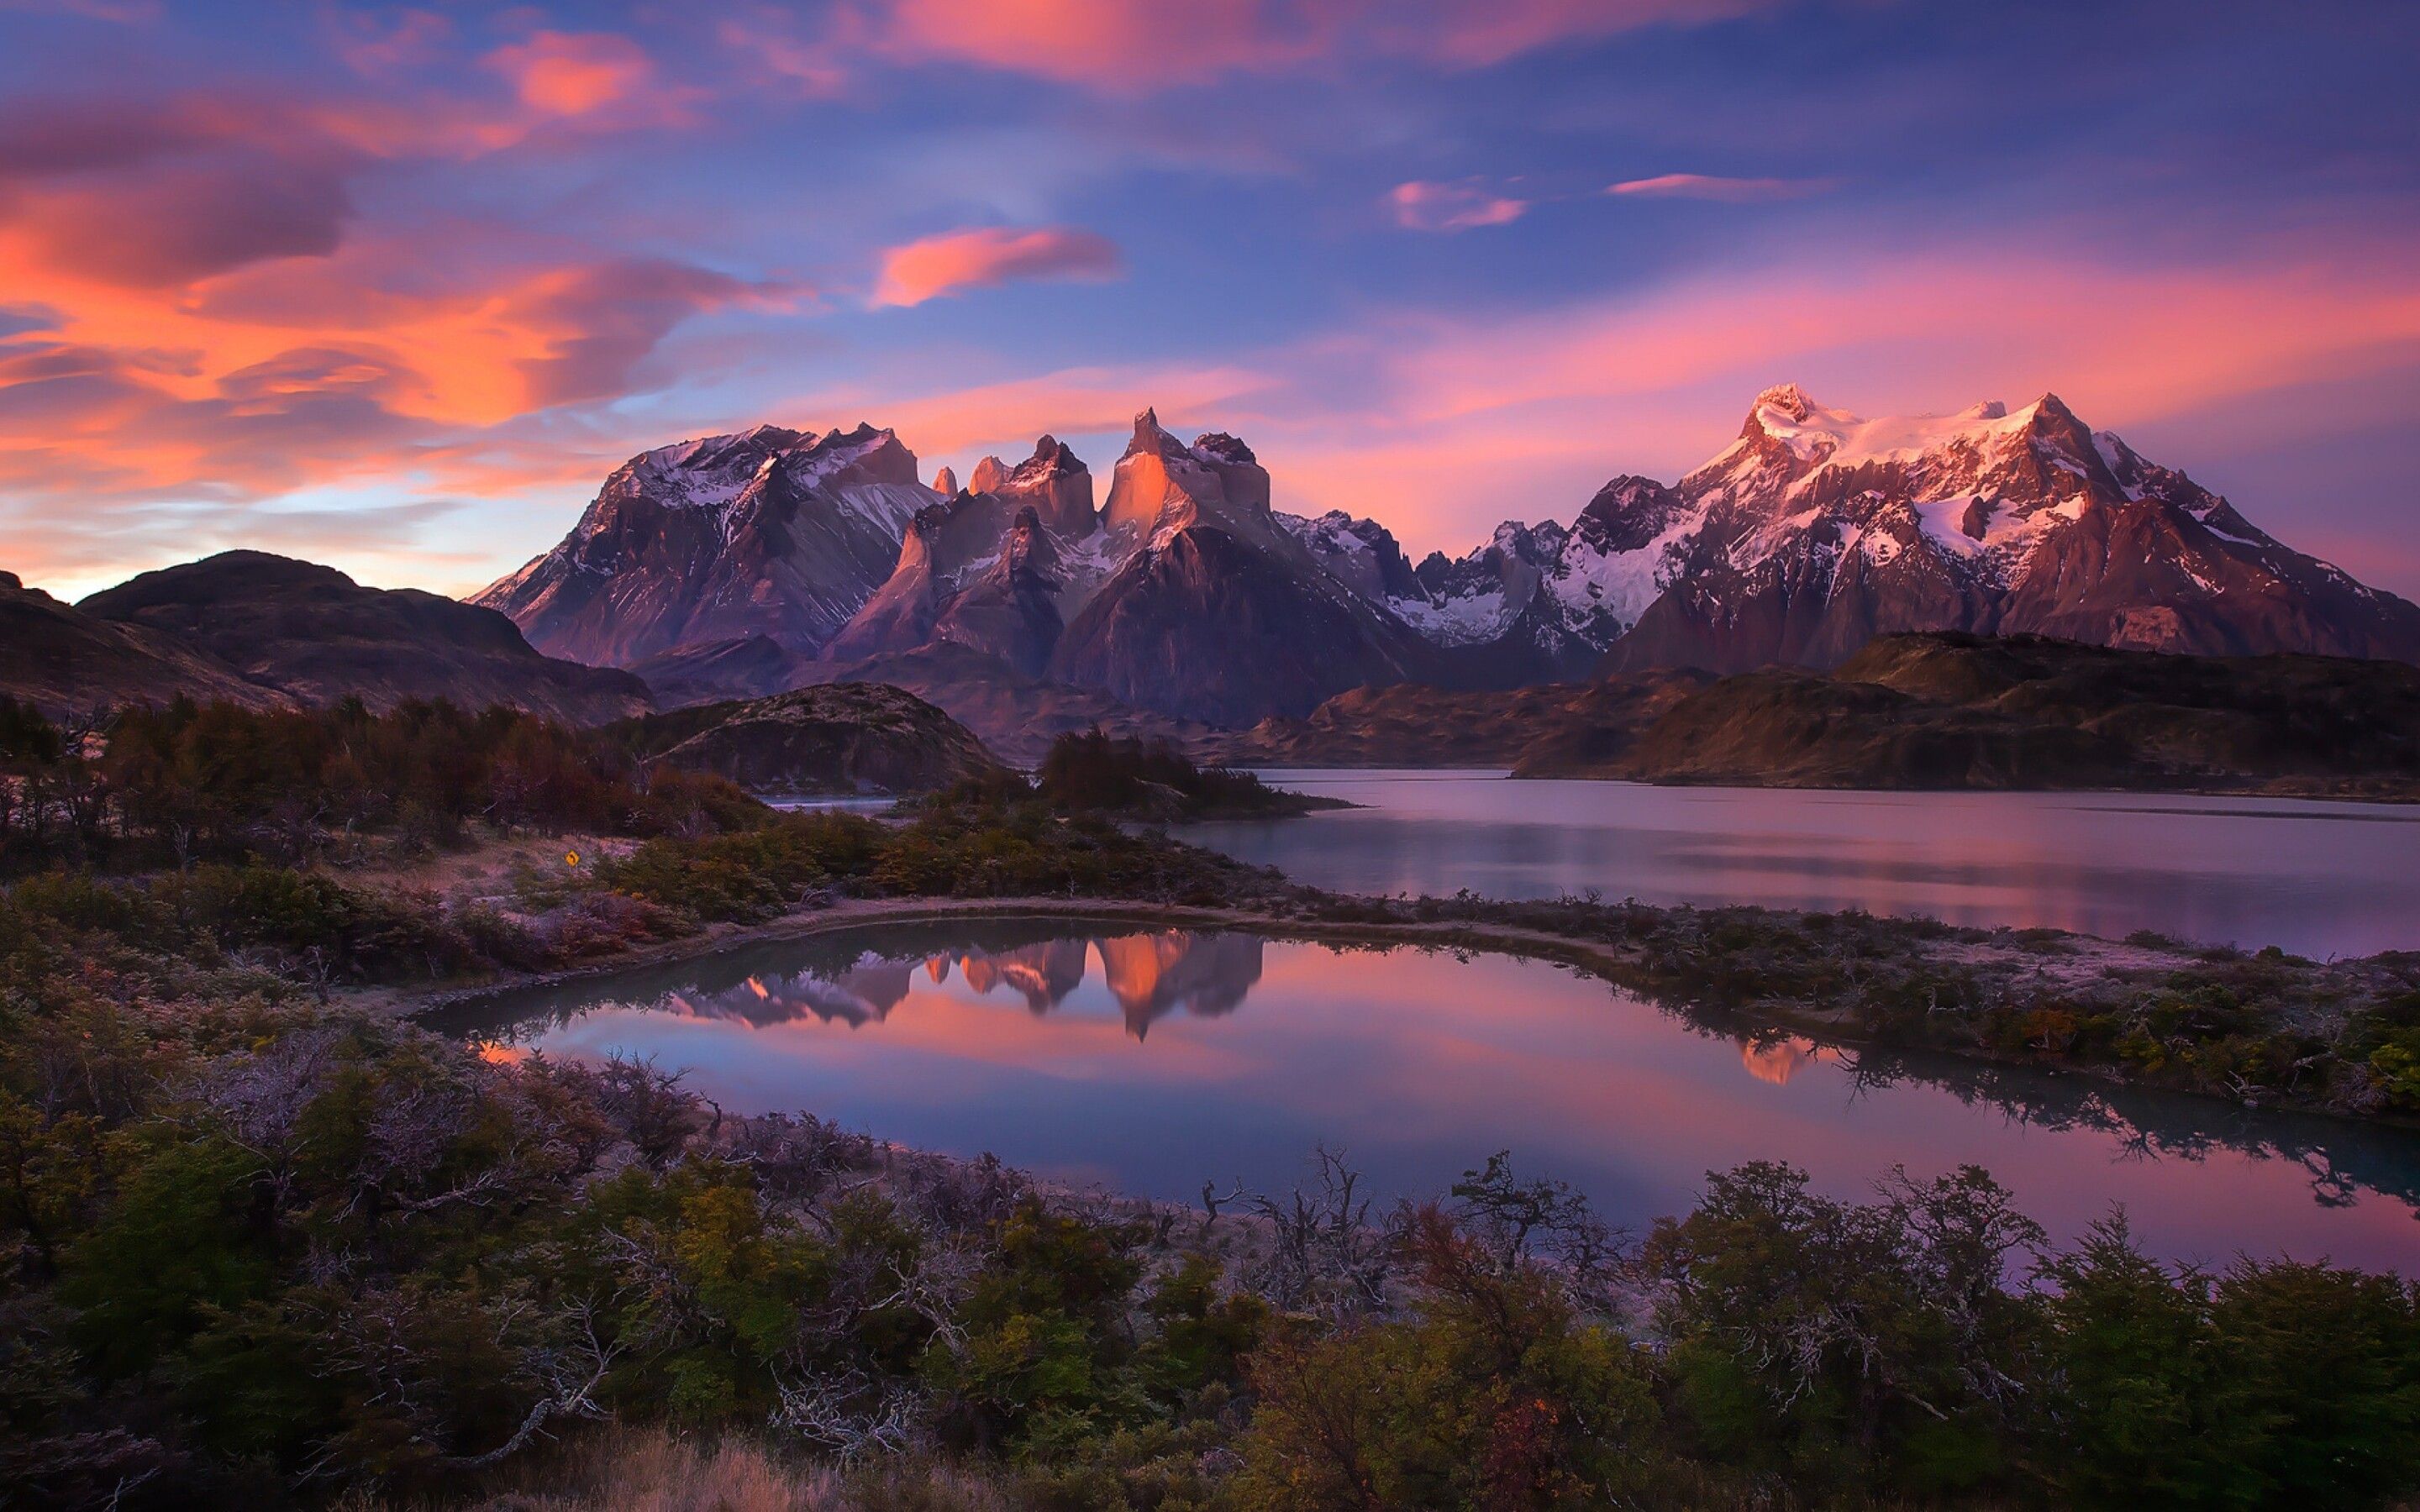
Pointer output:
x,y
1818,531
65,661
1185,594
1411,725
1950,710
847,737
767,531
1016,716
315,634
1218,612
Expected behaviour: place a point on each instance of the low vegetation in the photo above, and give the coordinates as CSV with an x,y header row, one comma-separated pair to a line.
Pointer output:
x,y
259,1247
2258,1027
1133,777
263,1253
170,786
230,829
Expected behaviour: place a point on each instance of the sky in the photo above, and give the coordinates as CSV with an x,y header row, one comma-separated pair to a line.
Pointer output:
x,y
394,288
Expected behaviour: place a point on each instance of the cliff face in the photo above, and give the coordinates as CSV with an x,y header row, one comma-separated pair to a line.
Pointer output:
x,y
769,531
1186,595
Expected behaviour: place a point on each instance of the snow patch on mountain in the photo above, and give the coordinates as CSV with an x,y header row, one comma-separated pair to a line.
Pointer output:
x,y
891,505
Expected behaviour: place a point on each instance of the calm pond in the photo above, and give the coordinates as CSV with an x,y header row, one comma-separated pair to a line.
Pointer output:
x,y
2319,879
1153,1061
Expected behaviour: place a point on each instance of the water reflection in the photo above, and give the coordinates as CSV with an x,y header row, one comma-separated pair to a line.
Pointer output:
x,y
1152,1060
1150,975
2317,878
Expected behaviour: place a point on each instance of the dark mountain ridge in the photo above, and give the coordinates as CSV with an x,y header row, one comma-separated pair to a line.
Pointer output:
x,y
852,738
262,632
314,635
1921,710
66,662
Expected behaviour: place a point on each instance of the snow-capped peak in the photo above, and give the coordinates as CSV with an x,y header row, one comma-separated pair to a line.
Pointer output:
x,y
1788,400
1836,438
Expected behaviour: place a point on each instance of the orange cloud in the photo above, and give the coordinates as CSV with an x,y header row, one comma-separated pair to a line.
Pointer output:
x,y
1422,206
956,260
1123,46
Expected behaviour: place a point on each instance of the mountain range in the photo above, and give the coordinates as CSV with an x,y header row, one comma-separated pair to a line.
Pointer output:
x,y
1181,601
738,566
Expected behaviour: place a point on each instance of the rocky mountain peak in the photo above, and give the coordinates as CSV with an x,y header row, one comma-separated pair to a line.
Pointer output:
x,y
1150,440
1052,458
1028,547
1218,446
1815,531
946,482
1629,511
1787,399
1055,482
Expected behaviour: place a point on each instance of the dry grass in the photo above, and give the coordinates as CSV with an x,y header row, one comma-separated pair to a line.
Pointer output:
x,y
649,1470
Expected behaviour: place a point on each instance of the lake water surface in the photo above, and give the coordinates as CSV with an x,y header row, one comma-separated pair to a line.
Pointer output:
x,y
1153,1061
2319,879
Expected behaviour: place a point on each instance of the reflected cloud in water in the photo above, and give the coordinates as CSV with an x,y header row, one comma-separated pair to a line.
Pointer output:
x,y
1156,1059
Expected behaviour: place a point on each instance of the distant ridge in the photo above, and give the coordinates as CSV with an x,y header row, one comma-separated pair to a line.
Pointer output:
x,y
261,631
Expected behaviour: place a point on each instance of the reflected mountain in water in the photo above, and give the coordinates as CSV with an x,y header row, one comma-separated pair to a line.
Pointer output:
x,y
1151,974
1775,1058
1371,1046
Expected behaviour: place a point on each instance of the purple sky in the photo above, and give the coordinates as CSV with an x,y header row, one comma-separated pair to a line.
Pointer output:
x,y
392,288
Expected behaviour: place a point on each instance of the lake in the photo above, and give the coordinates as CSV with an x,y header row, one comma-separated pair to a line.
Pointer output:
x,y
1152,1061
2319,879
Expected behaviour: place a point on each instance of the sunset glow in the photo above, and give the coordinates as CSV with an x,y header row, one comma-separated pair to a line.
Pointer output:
x,y
392,288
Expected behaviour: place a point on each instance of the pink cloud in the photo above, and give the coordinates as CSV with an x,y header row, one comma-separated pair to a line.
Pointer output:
x,y
1136,47
369,45
770,43
1478,35
939,265
1710,186
167,225
1423,205
573,73
609,316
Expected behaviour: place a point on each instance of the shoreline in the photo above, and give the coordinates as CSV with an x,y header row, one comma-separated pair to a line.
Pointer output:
x,y
2403,799
1608,963
859,913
